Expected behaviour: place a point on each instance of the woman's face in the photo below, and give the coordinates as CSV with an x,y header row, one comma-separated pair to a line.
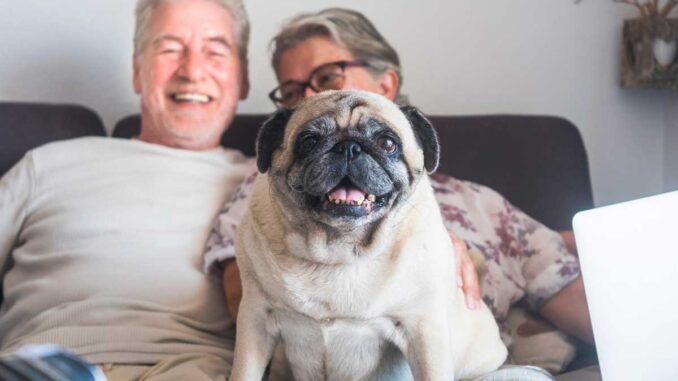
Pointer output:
x,y
297,64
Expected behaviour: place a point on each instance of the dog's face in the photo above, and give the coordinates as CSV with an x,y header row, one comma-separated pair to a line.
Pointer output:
x,y
345,158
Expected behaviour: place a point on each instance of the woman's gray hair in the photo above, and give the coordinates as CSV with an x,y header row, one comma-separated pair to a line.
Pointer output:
x,y
236,8
347,28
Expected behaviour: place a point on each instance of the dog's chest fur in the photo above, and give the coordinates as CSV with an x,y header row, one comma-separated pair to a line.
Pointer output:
x,y
339,349
335,321
357,290
340,321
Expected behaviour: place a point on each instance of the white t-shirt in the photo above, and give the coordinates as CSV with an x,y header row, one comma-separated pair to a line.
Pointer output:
x,y
101,244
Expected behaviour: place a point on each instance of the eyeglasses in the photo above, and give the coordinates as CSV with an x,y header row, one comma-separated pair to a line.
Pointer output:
x,y
330,76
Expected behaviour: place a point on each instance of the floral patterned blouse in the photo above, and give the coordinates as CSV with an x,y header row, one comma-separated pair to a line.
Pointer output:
x,y
523,258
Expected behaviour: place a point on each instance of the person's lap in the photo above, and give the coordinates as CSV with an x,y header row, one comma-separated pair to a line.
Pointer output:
x,y
188,366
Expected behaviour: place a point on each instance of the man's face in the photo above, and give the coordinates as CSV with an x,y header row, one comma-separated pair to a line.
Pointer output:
x,y
189,75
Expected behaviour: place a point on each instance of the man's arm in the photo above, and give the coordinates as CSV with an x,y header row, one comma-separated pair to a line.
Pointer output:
x,y
15,191
232,287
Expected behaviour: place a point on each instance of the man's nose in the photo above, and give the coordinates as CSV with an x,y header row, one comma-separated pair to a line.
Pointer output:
x,y
193,66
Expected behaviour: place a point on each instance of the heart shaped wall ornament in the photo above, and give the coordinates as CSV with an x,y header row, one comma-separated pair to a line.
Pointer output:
x,y
664,51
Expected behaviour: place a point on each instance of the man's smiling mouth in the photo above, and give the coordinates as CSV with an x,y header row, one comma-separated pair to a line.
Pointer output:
x,y
196,98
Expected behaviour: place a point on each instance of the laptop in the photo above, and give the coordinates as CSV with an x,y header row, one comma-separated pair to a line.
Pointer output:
x,y
629,260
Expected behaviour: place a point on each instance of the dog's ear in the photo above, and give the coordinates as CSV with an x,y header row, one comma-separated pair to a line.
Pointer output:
x,y
270,137
426,136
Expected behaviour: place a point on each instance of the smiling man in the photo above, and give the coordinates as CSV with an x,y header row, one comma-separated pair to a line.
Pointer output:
x,y
102,238
189,73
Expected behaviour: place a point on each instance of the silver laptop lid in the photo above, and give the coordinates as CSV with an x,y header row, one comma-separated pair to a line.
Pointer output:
x,y
629,260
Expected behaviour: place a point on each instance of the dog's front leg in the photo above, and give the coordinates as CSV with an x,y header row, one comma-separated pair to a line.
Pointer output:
x,y
428,348
254,340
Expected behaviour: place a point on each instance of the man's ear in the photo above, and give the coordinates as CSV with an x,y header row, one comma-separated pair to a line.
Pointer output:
x,y
136,76
389,83
426,136
244,83
270,137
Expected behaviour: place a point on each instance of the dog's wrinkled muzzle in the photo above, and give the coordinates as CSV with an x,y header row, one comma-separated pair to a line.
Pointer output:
x,y
348,180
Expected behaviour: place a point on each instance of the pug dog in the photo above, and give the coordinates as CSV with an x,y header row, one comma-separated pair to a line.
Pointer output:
x,y
345,262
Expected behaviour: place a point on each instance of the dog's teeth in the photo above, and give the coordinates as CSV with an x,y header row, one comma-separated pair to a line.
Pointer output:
x,y
359,200
372,198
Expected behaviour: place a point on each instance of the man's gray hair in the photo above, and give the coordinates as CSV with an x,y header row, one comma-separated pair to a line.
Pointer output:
x,y
347,28
236,8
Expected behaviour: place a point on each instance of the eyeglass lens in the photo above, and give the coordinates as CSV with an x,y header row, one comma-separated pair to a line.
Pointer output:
x,y
326,77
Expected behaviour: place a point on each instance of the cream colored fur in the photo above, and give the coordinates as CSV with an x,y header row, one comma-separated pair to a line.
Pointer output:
x,y
345,307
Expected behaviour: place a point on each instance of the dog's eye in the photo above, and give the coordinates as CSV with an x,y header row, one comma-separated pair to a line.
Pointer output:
x,y
387,144
306,144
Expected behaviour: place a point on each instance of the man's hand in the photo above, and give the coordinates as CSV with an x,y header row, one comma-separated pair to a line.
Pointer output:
x,y
467,277
232,287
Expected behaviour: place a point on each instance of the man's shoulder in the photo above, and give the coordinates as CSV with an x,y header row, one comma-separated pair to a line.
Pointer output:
x,y
77,145
79,150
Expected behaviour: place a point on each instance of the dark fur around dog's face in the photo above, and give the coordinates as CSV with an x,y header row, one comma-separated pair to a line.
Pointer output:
x,y
345,160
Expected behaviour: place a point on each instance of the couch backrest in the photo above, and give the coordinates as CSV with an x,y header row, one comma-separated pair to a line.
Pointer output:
x,y
24,126
538,162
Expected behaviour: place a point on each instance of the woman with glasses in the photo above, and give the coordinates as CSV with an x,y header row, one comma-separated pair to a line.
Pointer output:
x,y
341,49
331,50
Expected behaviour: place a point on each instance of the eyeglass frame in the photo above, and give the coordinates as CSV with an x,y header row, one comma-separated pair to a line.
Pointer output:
x,y
343,64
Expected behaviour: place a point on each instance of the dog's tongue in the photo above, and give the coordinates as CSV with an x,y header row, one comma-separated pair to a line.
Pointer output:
x,y
347,194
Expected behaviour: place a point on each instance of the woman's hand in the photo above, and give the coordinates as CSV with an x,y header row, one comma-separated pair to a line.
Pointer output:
x,y
467,277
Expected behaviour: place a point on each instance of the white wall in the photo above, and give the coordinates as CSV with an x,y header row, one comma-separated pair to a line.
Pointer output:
x,y
459,57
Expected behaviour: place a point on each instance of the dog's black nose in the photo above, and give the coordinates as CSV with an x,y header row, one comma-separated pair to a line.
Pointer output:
x,y
349,148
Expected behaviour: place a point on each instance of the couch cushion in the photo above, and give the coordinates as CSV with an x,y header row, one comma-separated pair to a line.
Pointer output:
x,y
24,126
538,162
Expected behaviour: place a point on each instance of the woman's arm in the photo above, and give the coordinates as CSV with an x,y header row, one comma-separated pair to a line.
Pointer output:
x,y
569,311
